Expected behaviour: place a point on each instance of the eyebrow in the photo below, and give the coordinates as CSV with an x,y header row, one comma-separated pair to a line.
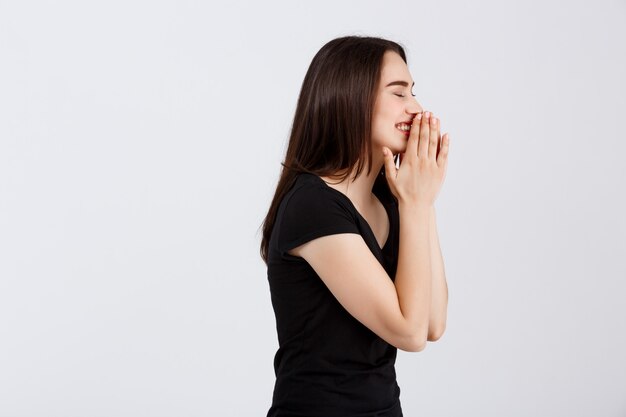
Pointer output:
x,y
400,82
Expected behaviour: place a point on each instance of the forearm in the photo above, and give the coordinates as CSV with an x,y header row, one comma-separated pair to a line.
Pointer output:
x,y
413,278
439,301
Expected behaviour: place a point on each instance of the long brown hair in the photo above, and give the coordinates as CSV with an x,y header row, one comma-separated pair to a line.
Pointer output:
x,y
332,123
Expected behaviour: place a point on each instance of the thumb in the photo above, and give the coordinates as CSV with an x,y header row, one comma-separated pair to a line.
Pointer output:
x,y
390,166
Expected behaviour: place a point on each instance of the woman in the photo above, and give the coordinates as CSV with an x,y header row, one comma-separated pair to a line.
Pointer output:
x,y
349,262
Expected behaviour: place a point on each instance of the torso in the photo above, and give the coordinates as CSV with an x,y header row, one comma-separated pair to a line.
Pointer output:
x,y
325,355
378,221
375,215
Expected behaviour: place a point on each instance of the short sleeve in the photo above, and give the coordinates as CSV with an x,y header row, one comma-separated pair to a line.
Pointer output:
x,y
311,212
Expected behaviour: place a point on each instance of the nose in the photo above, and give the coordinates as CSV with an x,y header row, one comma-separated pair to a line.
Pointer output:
x,y
414,107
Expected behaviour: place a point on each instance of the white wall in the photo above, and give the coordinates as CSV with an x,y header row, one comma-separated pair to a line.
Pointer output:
x,y
140,143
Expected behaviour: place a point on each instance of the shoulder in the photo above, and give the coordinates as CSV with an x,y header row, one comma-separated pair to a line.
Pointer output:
x,y
311,210
309,195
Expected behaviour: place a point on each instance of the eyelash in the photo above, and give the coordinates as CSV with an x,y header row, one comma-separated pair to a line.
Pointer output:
x,y
400,95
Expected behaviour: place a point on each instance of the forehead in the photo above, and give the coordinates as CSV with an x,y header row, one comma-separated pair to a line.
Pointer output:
x,y
394,68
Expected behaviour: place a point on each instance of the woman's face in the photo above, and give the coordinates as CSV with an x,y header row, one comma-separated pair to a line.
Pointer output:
x,y
394,105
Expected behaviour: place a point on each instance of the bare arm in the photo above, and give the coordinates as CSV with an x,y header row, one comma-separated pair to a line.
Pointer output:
x,y
439,302
413,280
398,311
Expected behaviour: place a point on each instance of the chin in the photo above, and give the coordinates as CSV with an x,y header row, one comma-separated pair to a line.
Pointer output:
x,y
396,145
400,148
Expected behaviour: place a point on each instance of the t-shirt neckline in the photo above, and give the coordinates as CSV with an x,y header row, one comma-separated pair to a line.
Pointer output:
x,y
388,240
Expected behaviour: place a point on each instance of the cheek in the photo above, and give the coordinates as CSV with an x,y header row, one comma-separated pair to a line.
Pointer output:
x,y
384,118
380,125
383,121
383,132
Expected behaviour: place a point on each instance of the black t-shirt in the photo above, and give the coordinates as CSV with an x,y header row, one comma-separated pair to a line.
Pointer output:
x,y
328,363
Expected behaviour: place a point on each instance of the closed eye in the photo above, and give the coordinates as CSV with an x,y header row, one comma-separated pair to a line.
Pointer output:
x,y
402,95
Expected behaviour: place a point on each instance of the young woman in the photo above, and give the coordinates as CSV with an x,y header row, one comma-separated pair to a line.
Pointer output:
x,y
353,260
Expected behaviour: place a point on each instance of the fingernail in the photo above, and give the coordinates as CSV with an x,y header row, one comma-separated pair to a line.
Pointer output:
x,y
419,116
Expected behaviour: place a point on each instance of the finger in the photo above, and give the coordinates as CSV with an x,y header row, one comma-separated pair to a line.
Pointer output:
x,y
434,137
442,158
414,134
422,150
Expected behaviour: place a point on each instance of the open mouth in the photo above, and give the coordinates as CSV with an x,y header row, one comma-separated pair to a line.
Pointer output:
x,y
404,127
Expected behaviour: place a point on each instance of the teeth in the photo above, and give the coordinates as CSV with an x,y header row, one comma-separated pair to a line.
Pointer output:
x,y
403,127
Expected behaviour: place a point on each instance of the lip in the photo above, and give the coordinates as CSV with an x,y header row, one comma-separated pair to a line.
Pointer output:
x,y
408,122
406,132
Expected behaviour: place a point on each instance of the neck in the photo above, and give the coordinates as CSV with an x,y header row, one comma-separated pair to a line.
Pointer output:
x,y
358,191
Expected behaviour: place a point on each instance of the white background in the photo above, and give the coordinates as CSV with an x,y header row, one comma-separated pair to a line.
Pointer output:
x,y
140,145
